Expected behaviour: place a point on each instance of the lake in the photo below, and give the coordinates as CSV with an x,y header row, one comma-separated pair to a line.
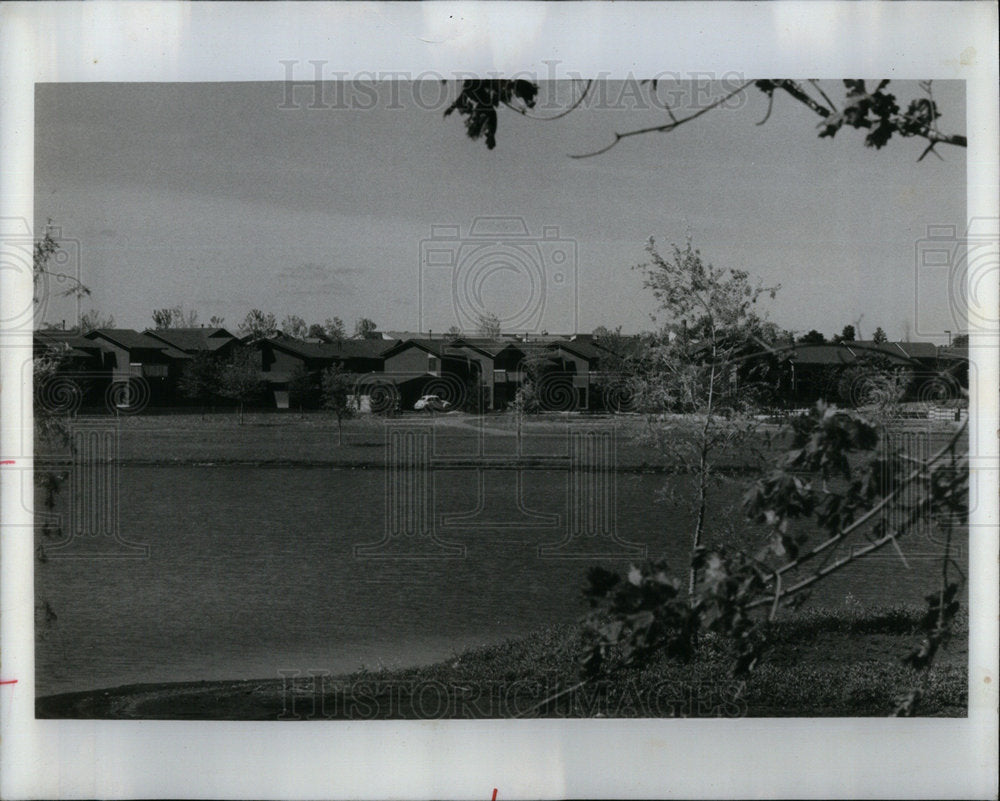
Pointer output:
x,y
253,571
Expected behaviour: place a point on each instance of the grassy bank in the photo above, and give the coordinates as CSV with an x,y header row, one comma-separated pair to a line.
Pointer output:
x,y
844,663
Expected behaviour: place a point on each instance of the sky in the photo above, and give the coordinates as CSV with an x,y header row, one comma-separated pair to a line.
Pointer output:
x,y
361,203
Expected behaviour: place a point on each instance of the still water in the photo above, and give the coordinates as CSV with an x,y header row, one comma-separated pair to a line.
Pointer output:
x,y
253,571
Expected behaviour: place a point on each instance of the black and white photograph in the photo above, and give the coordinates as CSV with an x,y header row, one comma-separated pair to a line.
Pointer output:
x,y
499,398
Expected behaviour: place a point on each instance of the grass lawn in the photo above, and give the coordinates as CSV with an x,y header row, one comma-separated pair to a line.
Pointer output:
x,y
840,663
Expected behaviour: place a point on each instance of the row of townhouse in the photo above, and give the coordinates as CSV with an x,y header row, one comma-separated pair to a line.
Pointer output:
x,y
477,373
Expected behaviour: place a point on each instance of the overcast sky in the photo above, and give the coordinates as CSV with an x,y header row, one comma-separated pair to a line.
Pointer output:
x,y
215,197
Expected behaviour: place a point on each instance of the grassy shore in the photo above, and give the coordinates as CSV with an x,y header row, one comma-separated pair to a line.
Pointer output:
x,y
840,663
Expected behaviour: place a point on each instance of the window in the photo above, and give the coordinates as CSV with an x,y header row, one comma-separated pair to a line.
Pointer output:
x,y
433,364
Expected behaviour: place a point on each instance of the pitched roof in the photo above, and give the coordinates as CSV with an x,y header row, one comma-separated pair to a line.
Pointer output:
x,y
347,349
192,339
848,352
587,350
70,339
131,339
128,338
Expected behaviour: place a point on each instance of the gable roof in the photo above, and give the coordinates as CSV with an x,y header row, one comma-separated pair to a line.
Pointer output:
x,y
587,350
192,339
131,339
848,352
347,349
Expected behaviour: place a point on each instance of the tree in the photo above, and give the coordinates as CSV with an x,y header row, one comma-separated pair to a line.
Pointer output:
x,y
316,331
454,331
335,330
960,341
200,378
46,250
294,326
174,317
258,325
365,329
216,322
847,335
94,320
488,325
302,386
863,107
814,337
239,378
711,326
879,336
338,392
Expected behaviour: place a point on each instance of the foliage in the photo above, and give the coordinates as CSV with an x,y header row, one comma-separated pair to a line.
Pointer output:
x,y
707,361
814,337
200,377
239,378
338,395
215,321
175,317
258,325
365,329
303,387
960,340
45,251
294,326
94,320
488,325
334,329
875,110
879,336
841,474
478,100
847,335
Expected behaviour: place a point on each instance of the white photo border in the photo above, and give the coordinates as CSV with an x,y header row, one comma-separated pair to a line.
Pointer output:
x,y
178,41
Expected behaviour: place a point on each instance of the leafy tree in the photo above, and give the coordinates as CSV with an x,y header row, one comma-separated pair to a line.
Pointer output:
x,y
960,341
294,326
45,251
200,378
711,325
864,107
258,325
842,476
338,395
365,329
316,331
302,387
174,317
814,337
216,322
847,335
455,331
239,378
335,330
94,320
879,336
488,325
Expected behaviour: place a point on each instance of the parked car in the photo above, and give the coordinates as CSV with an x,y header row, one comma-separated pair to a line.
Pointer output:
x,y
432,403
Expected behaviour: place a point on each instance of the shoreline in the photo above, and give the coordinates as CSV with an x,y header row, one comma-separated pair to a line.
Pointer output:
x,y
839,662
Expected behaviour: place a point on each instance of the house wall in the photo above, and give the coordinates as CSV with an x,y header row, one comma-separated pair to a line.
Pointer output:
x,y
409,362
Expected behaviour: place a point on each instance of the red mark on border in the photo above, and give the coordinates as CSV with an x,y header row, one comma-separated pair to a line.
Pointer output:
x,y
494,794
8,461
14,681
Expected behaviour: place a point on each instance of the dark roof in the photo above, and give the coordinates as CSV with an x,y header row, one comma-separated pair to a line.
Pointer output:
x,y
360,348
436,347
70,339
131,339
128,338
192,339
954,353
587,350
847,352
